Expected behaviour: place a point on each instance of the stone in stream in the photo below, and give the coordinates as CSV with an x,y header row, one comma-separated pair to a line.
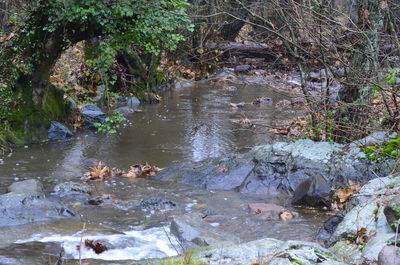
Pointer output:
x,y
157,204
58,131
29,187
72,188
91,162
92,114
125,110
193,232
269,211
313,191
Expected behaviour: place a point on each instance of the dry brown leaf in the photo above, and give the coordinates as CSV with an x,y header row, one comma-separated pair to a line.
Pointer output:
x,y
223,170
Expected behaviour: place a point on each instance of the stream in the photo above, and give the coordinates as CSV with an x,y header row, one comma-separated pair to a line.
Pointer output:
x,y
190,124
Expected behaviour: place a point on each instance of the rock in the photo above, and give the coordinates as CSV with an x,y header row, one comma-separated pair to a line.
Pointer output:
x,y
104,199
133,102
58,131
72,106
18,209
30,187
365,210
193,232
392,211
370,253
92,114
279,167
313,191
91,162
262,101
268,251
268,211
71,188
283,103
125,110
328,228
157,204
242,68
389,255
298,101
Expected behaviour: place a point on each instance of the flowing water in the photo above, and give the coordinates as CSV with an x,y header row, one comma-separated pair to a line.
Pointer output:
x,y
190,124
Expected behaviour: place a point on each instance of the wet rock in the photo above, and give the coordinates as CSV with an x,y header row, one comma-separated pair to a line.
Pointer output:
x,y
18,209
268,251
389,255
30,187
313,191
125,110
71,188
133,102
104,199
328,228
269,211
242,68
279,167
58,131
157,204
92,114
91,162
392,211
262,101
193,232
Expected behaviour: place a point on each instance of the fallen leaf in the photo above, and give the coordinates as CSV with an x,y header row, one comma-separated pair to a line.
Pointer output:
x,y
223,170
97,246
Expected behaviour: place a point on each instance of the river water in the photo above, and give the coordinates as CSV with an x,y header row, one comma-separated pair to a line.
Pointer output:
x,y
190,124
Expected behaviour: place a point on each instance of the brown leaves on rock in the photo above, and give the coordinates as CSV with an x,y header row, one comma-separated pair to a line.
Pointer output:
x,y
363,236
97,246
139,170
142,170
342,195
294,127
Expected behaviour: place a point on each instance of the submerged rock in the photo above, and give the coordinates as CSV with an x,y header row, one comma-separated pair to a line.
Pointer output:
x,y
269,211
125,110
58,131
72,188
193,232
30,187
313,191
92,114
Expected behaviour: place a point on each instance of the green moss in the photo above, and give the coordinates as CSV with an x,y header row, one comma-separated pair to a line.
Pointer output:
x,y
53,103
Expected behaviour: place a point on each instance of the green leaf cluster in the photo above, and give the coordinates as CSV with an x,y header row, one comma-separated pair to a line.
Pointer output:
x,y
390,148
111,124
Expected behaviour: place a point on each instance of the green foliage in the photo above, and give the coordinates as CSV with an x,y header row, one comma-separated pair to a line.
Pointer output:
x,y
44,28
111,123
390,148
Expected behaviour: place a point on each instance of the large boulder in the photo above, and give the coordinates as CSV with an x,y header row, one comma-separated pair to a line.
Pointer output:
x,y
58,131
92,114
268,251
30,187
279,167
